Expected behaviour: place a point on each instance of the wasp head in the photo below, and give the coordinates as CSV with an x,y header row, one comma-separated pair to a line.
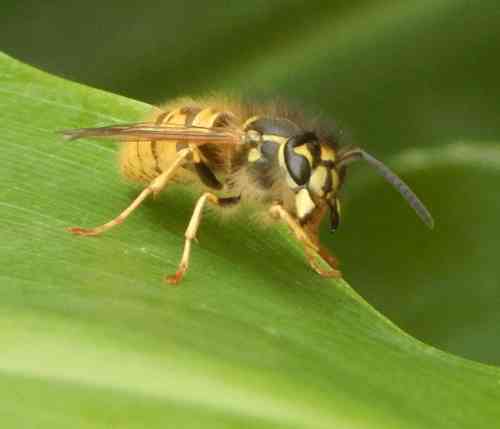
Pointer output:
x,y
313,174
315,171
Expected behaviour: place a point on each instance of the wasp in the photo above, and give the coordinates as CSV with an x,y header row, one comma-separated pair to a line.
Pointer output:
x,y
237,152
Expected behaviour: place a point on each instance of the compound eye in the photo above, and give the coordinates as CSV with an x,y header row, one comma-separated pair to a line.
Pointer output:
x,y
298,167
298,158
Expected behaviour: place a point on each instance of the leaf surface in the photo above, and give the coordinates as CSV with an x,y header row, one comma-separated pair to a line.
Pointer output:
x,y
91,337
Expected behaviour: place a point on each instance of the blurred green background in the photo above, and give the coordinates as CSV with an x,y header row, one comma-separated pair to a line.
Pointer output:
x,y
416,83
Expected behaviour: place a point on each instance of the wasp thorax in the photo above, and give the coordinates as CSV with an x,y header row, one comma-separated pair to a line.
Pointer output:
x,y
253,137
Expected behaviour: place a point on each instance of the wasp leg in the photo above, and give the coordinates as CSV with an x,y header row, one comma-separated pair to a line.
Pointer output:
x,y
313,250
325,256
153,188
328,257
192,229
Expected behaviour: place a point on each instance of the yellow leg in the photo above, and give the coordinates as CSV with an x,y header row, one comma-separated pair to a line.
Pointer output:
x,y
190,235
153,188
312,250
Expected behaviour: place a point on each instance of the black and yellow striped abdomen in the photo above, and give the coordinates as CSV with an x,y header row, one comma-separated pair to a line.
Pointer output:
x,y
144,160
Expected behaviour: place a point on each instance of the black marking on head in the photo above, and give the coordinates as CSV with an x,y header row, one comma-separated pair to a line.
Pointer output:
x,y
327,186
315,150
277,126
331,139
297,165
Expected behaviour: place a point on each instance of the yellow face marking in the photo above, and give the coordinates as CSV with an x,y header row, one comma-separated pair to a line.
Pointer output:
x,y
253,155
304,151
327,153
318,180
274,138
304,203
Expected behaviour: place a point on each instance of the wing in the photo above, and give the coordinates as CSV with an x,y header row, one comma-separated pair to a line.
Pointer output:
x,y
147,132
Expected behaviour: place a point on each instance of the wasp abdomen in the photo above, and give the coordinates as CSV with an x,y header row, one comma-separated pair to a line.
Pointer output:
x,y
145,160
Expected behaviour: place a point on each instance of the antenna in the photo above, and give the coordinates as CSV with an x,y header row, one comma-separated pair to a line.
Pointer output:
x,y
351,154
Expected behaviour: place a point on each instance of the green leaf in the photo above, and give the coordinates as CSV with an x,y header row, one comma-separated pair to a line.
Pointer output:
x,y
441,286
92,337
